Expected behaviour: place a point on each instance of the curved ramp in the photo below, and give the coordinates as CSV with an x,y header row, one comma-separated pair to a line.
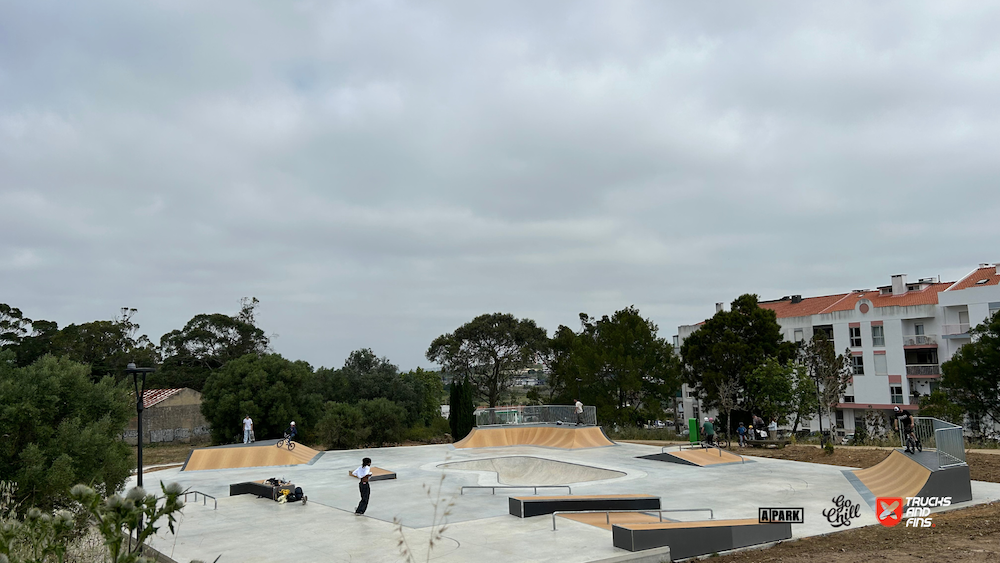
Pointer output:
x,y
568,438
251,455
918,475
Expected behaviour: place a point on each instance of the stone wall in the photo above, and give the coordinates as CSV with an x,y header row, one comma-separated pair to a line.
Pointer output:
x,y
177,419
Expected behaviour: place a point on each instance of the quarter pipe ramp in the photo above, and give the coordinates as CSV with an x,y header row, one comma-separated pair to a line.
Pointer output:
x,y
916,475
568,438
258,454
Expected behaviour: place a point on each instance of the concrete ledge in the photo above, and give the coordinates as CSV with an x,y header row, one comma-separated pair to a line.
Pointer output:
x,y
526,507
658,555
691,539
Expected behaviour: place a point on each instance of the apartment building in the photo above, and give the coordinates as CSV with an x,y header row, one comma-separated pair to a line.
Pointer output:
x,y
897,336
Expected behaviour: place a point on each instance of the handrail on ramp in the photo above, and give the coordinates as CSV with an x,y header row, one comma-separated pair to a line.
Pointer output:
x,y
495,487
607,513
204,498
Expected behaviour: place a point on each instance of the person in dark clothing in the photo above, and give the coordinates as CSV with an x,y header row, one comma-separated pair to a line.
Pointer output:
x,y
291,432
905,419
364,473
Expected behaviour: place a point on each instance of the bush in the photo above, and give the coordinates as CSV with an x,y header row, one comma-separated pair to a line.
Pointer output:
x,y
385,420
828,448
61,428
636,433
435,433
342,427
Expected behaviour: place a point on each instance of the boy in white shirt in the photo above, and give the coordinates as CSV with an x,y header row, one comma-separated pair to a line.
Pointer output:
x,y
363,473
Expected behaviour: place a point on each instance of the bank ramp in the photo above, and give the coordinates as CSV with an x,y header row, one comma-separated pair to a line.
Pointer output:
x,y
912,475
699,457
257,454
546,436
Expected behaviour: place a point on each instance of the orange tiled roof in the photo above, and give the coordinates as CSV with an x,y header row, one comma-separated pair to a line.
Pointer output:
x,y
846,301
151,397
988,273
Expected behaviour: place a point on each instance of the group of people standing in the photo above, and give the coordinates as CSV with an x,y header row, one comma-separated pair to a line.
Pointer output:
x,y
756,430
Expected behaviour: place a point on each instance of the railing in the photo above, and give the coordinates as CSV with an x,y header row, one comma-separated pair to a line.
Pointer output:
x,y
919,340
537,414
495,487
923,369
943,436
204,498
608,513
961,328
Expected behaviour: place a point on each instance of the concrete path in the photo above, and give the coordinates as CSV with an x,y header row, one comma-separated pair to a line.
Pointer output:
x,y
249,529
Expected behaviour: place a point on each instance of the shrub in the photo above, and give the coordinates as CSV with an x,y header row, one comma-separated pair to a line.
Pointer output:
x,y
342,427
385,420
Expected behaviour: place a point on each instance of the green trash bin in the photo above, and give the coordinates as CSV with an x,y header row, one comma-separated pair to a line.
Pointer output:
x,y
693,431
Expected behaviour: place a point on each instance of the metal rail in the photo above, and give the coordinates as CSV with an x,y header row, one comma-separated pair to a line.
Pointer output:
x,y
535,487
204,498
607,513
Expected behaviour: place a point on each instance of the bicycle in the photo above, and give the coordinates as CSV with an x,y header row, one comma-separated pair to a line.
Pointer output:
x,y
287,442
913,443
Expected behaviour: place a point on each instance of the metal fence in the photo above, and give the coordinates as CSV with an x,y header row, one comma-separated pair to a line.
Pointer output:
x,y
539,414
942,436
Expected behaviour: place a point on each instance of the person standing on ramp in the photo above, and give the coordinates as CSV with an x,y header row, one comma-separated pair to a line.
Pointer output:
x,y
579,412
363,473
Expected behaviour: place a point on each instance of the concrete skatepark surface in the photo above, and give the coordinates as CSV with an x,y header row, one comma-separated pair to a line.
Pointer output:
x,y
250,529
527,470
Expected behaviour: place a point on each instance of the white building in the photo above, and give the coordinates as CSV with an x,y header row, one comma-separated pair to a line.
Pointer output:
x,y
898,336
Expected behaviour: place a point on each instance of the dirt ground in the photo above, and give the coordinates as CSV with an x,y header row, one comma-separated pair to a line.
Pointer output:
x,y
968,534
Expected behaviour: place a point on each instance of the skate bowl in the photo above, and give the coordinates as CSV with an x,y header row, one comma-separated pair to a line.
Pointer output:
x,y
546,436
529,470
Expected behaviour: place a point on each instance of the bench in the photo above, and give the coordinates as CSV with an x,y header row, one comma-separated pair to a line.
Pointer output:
x,y
691,539
526,507
259,488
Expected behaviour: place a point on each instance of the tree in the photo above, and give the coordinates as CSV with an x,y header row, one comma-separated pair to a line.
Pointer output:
x,y
939,405
771,389
490,350
430,387
206,344
60,428
267,387
625,369
830,372
28,339
732,344
804,401
386,421
971,378
107,346
13,325
461,414
342,427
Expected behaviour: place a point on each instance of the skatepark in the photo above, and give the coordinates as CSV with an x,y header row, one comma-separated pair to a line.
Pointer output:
x,y
623,497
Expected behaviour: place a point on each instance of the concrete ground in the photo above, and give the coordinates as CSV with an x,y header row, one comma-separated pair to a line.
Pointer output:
x,y
250,529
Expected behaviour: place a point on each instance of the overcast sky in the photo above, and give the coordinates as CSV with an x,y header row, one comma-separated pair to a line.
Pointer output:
x,y
379,173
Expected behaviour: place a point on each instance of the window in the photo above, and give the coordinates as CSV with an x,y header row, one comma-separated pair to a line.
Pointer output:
x,y
994,307
858,363
797,335
840,419
897,394
878,336
855,337
848,398
859,421
918,329
881,366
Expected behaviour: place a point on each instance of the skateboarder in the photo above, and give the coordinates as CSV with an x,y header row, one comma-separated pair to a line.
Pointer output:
x,y
363,473
579,411
247,430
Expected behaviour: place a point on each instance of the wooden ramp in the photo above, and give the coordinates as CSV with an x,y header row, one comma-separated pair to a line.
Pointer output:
x,y
257,454
912,475
691,539
699,457
378,474
564,437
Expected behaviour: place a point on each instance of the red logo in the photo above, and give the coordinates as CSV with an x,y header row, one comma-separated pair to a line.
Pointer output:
x,y
889,510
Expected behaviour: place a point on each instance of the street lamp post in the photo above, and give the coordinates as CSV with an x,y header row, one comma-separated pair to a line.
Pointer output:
x,y
139,380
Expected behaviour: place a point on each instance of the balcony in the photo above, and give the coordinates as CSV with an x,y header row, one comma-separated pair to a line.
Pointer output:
x,y
921,340
960,330
923,370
